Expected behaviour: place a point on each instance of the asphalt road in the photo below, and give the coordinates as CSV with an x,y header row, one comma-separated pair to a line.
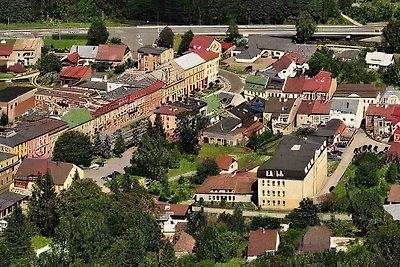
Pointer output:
x,y
235,82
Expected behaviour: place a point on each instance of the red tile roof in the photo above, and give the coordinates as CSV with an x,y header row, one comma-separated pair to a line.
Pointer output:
x,y
177,209
394,193
240,183
73,58
286,60
206,55
319,83
76,72
225,162
200,42
261,241
394,150
317,239
315,107
5,50
185,243
390,112
17,68
111,52
170,110
226,45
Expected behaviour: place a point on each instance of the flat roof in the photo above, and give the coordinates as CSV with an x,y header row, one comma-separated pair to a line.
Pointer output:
x,y
10,93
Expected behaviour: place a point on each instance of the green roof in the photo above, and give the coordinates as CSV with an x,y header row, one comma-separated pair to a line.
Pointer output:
x,y
259,80
77,116
214,105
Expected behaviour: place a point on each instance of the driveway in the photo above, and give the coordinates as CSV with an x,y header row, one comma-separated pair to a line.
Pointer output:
x,y
111,165
359,140
235,82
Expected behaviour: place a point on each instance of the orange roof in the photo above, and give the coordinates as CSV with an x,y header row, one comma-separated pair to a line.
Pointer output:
x,y
240,183
176,209
226,45
394,193
200,42
185,243
319,83
314,107
170,110
73,57
394,150
262,240
76,72
17,68
286,60
111,52
390,112
225,162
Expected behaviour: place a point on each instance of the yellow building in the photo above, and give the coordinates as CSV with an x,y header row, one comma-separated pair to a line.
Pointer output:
x,y
153,57
8,165
297,170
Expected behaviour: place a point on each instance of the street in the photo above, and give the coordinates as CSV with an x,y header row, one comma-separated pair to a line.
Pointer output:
x,y
235,82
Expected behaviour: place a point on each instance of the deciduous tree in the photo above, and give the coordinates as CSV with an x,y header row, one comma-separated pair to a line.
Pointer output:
x,y
185,42
305,26
207,167
188,129
97,33
49,63
392,35
305,215
166,38
119,145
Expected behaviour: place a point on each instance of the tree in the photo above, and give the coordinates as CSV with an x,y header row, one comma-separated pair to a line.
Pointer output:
x,y
185,42
42,206
207,167
107,147
392,35
305,215
3,119
265,222
197,222
391,76
167,256
366,207
367,165
157,129
119,145
98,144
166,38
188,129
305,26
392,174
237,222
232,34
115,40
97,33
74,147
49,63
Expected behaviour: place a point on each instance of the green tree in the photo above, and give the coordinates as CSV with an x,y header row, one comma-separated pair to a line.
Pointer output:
x,y
115,40
265,222
305,26
107,147
74,147
237,221
208,167
49,63
232,34
166,38
366,207
391,76
42,206
392,35
119,145
185,42
157,129
167,256
197,222
188,129
98,144
305,215
3,119
367,165
392,173
97,33
76,176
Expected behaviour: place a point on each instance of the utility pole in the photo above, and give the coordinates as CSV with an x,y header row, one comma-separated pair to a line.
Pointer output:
x,y
199,16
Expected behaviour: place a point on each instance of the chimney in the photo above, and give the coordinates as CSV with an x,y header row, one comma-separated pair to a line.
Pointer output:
x,y
263,229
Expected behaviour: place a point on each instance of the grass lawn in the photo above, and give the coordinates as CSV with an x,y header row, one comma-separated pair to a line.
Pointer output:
x,y
340,188
215,151
332,166
177,42
63,43
6,75
186,165
39,241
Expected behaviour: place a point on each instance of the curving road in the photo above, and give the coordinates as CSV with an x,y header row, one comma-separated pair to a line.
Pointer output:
x,y
235,82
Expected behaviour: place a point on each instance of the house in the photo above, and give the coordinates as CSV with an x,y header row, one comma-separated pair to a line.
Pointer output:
x,y
8,165
347,110
281,114
30,170
15,101
244,112
184,244
205,43
255,86
332,130
391,96
114,54
26,51
275,87
211,66
394,194
320,87
8,202
170,215
316,239
70,60
227,164
345,54
394,210
377,60
262,241
73,74
297,170
381,121
227,48
192,66
229,99
192,104
168,115
289,65
152,57
229,187
312,113
86,54
366,94
5,53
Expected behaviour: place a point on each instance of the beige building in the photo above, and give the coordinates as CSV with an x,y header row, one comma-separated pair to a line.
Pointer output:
x,y
26,51
153,57
8,166
297,170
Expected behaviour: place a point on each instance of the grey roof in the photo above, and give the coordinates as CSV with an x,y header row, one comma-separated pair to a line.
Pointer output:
x,y
249,53
329,129
276,105
149,49
10,93
102,86
133,87
242,111
394,210
390,91
348,54
4,156
190,103
226,97
349,106
189,61
8,199
225,126
85,51
292,157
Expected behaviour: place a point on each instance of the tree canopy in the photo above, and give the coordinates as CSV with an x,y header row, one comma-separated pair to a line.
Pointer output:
x,y
97,33
185,42
49,63
305,26
166,38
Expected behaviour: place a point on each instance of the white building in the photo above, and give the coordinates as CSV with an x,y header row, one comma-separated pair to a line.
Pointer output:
x,y
376,60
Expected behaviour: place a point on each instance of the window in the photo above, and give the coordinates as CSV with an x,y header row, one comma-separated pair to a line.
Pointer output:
x,y
283,203
268,193
278,183
279,193
279,202
263,192
263,183
283,193
273,193
268,184
273,183
273,202
268,203
283,183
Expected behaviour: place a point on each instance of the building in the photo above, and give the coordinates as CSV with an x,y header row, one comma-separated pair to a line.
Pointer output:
x,y
30,169
153,57
391,96
16,100
73,74
26,51
289,65
347,110
169,118
170,215
211,66
320,87
394,194
86,54
229,187
377,60
227,164
297,170
380,121
312,113
262,241
5,53
184,244
332,131
115,54
8,202
281,113
255,86
317,239
8,165
192,104
205,43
